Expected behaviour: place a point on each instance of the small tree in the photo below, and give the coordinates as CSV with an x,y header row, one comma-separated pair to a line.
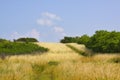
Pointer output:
x,y
83,39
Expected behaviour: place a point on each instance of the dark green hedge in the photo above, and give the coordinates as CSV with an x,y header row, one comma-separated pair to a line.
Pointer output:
x,y
26,40
104,41
16,48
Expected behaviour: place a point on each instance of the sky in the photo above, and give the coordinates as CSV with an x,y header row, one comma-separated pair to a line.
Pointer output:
x,y
51,20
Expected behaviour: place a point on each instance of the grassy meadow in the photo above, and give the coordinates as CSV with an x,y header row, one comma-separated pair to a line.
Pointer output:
x,y
61,63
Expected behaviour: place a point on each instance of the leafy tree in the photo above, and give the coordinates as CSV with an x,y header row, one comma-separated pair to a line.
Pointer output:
x,y
104,41
83,39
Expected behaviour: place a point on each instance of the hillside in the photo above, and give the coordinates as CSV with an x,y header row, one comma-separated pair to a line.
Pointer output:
x,y
60,63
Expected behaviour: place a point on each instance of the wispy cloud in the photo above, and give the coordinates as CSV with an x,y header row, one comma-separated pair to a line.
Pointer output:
x,y
33,33
45,22
58,29
48,19
51,16
51,20
15,35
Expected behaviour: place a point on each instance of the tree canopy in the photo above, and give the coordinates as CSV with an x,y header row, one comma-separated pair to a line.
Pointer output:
x,y
102,41
26,40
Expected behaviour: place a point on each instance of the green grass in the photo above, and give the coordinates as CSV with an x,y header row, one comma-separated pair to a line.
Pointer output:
x,y
53,63
77,50
16,48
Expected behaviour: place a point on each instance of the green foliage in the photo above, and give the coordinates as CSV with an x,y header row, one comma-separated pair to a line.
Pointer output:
x,y
104,41
16,48
83,39
69,40
80,40
53,63
26,40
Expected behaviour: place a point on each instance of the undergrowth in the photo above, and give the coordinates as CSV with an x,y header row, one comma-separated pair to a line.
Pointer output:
x,y
16,48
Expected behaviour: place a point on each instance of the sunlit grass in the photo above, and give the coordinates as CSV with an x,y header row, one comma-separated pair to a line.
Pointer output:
x,y
60,63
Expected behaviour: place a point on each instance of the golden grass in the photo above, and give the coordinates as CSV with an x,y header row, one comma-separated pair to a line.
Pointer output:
x,y
81,47
71,66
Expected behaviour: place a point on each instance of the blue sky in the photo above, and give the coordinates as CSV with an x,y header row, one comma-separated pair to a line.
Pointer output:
x,y
51,20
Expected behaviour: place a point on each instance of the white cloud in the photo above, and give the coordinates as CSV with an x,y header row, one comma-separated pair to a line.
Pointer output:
x,y
48,19
15,35
51,16
45,22
33,33
51,20
58,29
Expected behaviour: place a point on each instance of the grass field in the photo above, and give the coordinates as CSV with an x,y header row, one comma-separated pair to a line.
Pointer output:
x,y
60,63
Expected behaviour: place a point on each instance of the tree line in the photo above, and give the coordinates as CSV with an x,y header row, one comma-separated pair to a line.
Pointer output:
x,y
20,40
102,41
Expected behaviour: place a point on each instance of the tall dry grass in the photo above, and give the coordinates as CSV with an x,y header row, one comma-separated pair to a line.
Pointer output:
x,y
60,63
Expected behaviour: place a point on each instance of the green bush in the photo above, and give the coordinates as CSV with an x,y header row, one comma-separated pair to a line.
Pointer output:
x,y
16,48
105,42
102,41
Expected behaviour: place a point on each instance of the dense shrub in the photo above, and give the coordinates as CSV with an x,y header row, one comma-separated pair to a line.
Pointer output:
x,y
26,40
83,39
104,41
15,48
